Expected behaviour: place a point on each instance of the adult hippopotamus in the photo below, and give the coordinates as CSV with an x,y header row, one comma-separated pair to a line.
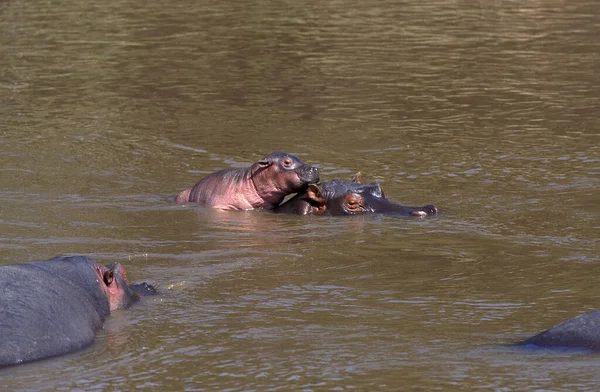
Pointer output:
x,y
55,306
263,185
338,197
582,331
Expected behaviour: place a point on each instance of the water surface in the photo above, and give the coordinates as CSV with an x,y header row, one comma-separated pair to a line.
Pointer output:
x,y
487,109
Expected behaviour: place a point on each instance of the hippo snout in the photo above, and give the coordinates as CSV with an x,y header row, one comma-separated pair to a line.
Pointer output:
x,y
309,175
430,209
143,289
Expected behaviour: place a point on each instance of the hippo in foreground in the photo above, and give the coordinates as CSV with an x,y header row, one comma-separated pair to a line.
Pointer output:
x,y
582,332
338,197
263,185
55,306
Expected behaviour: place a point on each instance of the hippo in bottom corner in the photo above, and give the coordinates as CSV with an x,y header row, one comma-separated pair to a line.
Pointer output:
x,y
338,197
54,307
263,185
582,331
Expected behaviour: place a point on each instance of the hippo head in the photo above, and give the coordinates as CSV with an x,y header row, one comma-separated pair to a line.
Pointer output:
x,y
338,197
288,171
280,174
113,279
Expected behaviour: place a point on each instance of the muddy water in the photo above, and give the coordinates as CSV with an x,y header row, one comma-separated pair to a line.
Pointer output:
x,y
487,109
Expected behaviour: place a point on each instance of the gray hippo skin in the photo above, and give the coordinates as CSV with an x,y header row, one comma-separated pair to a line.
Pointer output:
x,y
338,197
55,306
582,331
263,185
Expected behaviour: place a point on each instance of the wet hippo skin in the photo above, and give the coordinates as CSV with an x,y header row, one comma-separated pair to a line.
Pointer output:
x,y
263,185
338,197
582,331
55,306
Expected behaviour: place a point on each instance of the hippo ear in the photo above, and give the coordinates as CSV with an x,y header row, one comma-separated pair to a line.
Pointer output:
x,y
108,276
378,190
356,178
382,192
314,193
265,162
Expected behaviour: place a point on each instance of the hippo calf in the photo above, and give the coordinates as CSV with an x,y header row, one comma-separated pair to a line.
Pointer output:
x,y
55,306
338,197
582,331
263,185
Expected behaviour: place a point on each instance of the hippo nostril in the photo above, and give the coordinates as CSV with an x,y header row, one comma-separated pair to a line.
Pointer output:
x,y
430,209
144,289
312,175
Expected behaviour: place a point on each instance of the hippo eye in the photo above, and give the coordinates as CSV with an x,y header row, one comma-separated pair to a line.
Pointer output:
x,y
108,277
287,162
353,203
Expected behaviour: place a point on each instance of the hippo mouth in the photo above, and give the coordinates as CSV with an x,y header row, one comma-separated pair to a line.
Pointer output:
x,y
385,206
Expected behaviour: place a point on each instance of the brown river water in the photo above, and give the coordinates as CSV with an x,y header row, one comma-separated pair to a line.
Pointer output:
x,y
487,109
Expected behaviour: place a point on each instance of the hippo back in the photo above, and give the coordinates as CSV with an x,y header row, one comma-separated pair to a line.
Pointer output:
x,y
80,272
48,308
582,331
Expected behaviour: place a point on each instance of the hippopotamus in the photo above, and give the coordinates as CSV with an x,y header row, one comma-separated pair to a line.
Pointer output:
x,y
582,331
54,307
263,185
337,197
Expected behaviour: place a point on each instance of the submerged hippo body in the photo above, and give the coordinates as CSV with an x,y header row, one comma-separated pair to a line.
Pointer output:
x,y
263,185
582,331
338,197
55,306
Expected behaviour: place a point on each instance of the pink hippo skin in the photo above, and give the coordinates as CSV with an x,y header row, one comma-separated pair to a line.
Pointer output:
x,y
263,185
